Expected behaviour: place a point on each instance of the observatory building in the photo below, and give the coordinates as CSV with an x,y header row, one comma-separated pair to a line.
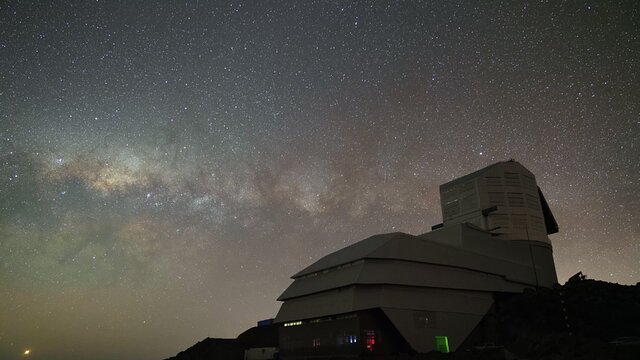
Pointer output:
x,y
400,293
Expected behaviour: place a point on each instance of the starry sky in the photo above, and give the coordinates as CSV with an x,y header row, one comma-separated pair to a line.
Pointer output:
x,y
164,168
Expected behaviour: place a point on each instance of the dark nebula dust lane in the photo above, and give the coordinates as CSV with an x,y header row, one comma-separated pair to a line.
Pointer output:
x,y
164,168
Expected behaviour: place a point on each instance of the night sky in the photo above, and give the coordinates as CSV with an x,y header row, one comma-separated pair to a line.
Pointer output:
x,y
164,168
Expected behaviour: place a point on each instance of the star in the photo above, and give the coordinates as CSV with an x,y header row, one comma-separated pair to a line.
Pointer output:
x,y
139,141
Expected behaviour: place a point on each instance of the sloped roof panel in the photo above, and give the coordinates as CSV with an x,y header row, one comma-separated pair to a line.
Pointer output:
x,y
362,297
324,281
348,254
317,305
435,276
413,248
478,262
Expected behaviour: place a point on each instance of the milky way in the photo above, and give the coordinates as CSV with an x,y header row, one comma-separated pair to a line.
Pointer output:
x,y
166,167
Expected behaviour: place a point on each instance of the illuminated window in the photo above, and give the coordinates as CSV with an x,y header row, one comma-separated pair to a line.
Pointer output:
x,y
442,344
347,339
369,339
293,323
316,342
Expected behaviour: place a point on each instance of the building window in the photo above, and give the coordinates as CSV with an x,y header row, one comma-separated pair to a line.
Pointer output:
x,y
442,344
293,323
346,339
370,339
316,342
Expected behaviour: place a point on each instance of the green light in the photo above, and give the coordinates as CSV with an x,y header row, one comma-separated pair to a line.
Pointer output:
x,y
442,344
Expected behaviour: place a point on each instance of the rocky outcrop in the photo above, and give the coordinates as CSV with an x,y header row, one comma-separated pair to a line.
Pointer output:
x,y
212,349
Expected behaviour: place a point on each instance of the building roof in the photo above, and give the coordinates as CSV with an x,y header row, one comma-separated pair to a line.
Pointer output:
x,y
348,254
460,256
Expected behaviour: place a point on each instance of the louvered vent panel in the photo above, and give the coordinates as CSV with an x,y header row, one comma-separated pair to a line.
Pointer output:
x,y
451,209
519,221
493,180
537,224
511,179
529,183
469,202
497,199
532,202
515,199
